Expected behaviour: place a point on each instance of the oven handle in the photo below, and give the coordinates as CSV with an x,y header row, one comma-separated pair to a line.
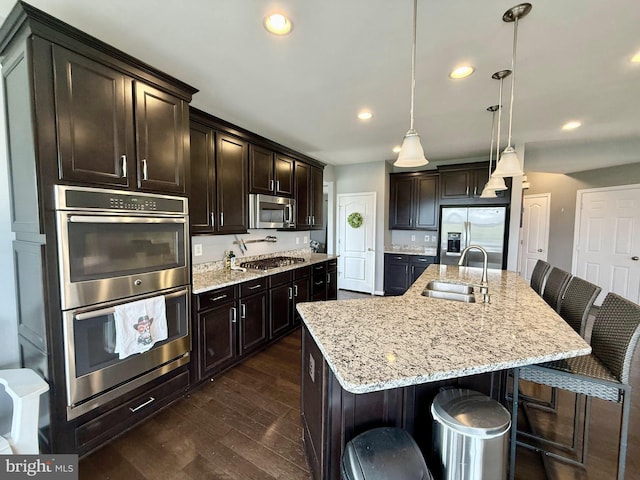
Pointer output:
x,y
105,219
107,311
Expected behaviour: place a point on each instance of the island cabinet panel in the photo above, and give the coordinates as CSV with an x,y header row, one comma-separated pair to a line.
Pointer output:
x,y
401,270
331,416
332,279
413,201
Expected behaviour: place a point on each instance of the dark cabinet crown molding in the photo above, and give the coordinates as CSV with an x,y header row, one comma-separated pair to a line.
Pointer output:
x,y
37,22
212,121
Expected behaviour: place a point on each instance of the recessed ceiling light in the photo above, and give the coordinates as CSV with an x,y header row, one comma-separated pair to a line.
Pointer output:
x,y
636,58
397,149
365,115
462,71
278,24
572,125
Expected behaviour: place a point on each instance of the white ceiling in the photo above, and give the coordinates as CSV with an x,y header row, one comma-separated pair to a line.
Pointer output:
x,y
304,90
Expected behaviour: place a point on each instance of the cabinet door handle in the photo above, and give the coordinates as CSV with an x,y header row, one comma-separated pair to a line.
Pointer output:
x,y
221,219
318,268
243,310
313,219
328,279
271,185
123,159
413,270
278,185
467,191
134,410
213,219
475,190
290,293
253,287
144,169
295,290
321,282
234,314
397,258
219,297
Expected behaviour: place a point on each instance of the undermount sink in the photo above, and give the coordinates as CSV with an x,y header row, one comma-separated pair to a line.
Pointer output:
x,y
458,292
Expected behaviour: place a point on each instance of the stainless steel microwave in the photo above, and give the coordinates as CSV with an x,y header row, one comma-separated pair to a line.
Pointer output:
x,y
266,211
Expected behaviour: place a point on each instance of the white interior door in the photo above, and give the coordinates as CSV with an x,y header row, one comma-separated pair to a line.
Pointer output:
x,y
535,232
356,246
607,240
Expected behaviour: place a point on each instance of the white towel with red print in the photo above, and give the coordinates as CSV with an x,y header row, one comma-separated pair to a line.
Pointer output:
x,y
139,325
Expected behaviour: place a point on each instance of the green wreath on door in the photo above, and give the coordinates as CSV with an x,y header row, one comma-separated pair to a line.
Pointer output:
x,y
355,220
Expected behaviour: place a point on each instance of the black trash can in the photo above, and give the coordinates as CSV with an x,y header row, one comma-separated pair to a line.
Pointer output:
x,y
383,454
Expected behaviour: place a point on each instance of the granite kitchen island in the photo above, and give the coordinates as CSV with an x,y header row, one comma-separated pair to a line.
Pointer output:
x,y
381,361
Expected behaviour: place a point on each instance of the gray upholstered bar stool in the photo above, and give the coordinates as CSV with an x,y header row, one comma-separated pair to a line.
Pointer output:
x,y
539,275
383,453
554,287
604,374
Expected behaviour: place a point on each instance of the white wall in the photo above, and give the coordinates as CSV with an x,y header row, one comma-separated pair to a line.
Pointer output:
x,y
214,246
369,177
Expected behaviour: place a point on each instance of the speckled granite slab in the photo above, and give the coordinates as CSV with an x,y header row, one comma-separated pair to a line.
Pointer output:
x,y
388,342
203,281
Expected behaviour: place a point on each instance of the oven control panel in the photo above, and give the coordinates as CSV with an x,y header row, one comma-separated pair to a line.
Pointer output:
x,y
85,198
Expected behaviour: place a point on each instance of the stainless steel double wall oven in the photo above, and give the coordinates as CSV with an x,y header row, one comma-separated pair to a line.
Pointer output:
x,y
116,247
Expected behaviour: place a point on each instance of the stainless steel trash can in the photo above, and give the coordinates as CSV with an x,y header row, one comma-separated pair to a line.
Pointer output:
x,y
470,435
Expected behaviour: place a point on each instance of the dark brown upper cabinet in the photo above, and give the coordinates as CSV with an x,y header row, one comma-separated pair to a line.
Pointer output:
x,y
160,131
95,121
95,107
218,198
270,173
309,196
413,202
463,184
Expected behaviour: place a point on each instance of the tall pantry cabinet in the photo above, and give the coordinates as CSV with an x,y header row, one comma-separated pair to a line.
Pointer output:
x,y
79,112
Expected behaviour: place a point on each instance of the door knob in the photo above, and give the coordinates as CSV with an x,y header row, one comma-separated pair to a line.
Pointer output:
x,y
539,250
370,250
635,258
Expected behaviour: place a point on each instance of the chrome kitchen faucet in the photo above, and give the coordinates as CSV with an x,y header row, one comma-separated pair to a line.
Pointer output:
x,y
484,283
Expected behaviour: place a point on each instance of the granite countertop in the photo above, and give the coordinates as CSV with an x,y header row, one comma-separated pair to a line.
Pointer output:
x,y
388,342
404,250
210,280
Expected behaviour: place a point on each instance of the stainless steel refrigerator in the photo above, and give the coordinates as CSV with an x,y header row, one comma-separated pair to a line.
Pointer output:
x,y
464,226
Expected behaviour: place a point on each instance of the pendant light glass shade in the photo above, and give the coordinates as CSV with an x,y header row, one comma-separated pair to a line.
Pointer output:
x,y
411,153
509,164
496,183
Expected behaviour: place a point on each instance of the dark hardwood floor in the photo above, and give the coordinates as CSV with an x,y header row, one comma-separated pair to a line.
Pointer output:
x,y
246,425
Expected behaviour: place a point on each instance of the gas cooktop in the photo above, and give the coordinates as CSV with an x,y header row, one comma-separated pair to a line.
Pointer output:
x,y
273,262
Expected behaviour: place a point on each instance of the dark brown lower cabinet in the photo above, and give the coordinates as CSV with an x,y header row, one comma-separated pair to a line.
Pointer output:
x,y
401,270
281,303
331,416
253,315
332,279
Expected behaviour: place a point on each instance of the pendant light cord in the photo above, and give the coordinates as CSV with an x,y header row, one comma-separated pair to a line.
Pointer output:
x,y
413,60
493,131
499,120
513,76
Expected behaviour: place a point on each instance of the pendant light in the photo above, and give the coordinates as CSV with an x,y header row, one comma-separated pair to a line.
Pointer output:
x,y
497,183
411,153
486,191
509,164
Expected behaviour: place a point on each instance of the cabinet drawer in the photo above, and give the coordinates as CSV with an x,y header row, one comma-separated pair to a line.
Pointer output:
x,y
418,260
215,297
128,414
253,286
332,264
280,278
302,272
396,257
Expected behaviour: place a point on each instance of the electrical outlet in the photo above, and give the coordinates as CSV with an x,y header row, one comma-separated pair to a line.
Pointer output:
x,y
305,239
426,238
197,250
413,238
297,240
